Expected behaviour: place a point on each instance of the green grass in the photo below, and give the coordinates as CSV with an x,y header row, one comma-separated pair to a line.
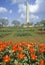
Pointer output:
x,y
20,34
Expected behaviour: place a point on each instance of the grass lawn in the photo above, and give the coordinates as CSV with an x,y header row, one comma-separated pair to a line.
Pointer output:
x,y
19,34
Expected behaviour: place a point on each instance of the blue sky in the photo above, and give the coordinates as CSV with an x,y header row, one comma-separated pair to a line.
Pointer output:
x,y
16,10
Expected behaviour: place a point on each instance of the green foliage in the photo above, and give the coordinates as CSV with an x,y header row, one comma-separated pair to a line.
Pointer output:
x,y
42,22
16,23
23,34
17,33
4,22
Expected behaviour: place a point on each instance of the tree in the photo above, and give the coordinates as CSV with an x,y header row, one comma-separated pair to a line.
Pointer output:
x,y
0,25
42,22
4,22
37,24
29,24
15,23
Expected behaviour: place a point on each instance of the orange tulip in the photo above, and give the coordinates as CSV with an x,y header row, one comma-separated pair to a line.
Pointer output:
x,y
32,50
20,44
41,48
14,49
21,56
42,45
2,46
33,57
33,43
6,58
41,62
28,46
20,49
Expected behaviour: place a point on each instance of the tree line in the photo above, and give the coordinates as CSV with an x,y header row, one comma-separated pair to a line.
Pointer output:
x,y
5,23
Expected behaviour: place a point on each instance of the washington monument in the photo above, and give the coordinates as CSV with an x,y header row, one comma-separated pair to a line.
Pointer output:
x,y
27,12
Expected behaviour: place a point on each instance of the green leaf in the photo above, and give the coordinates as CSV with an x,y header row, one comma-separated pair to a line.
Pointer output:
x,y
2,63
26,63
15,62
25,59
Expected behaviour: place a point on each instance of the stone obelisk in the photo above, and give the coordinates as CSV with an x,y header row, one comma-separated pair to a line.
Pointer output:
x,y
27,12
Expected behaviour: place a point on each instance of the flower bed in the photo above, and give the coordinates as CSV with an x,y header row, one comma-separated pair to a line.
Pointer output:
x,y
24,53
41,32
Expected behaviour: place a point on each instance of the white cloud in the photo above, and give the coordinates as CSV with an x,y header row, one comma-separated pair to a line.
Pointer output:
x,y
22,16
5,17
33,8
37,7
3,10
17,1
22,8
10,11
34,17
41,5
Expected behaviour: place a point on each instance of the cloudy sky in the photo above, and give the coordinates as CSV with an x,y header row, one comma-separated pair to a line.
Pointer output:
x,y
16,10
